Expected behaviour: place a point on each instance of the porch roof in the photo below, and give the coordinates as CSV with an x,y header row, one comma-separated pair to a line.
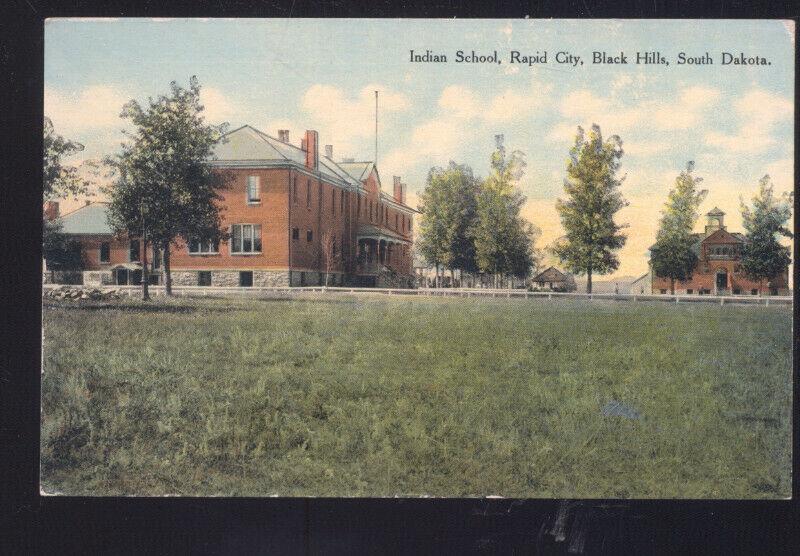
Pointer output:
x,y
367,231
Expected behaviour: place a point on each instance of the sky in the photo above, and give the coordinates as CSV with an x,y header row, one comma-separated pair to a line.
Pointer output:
x,y
735,122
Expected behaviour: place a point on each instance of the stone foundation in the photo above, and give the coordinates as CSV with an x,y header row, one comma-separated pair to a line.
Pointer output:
x,y
268,278
97,277
184,278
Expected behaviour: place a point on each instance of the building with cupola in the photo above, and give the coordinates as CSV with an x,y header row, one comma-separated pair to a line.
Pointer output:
x,y
719,269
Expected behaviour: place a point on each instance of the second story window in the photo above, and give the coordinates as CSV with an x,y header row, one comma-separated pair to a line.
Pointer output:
x,y
133,252
309,235
294,189
253,190
295,233
197,247
396,220
333,201
246,238
308,194
105,252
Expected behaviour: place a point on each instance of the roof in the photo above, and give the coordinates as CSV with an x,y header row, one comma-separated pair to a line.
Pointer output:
x,y
374,232
551,274
246,146
90,219
721,237
359,170
715,212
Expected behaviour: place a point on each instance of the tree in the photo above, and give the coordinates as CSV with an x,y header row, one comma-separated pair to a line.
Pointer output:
x,y
330,253
165,188
763,257
59,250
449,204
672,255
60,179
593,198
504,241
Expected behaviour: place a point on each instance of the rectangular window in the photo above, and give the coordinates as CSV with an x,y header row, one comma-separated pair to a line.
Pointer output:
x,y
690,291
105,252
308,194
754,291
204,278
736,291
253,190
133,252
246,278
663,291
197,247
295,233
246,238
294,189
156,258
309,235
396,220
333,201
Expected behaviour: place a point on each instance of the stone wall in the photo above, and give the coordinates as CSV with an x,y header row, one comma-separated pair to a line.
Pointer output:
x,y
184,278
224,278
97,277
269,278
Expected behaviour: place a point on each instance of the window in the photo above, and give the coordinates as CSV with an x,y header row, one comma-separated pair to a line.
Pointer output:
x,y
204,278
308,194
133,253
736,291
341,201
246,238
333,201
309,235
754,291
294,189
295,233
253,190
663,291
105,252
156,258
690,291
197,247
246,278
396,220
409,224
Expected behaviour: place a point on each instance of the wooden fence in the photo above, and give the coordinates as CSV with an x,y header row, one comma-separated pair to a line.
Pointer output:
x,y
256,291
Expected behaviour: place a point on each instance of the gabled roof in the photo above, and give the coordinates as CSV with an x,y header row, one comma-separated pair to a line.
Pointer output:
x,y
715,212
248,146
88,220
551,274
723,236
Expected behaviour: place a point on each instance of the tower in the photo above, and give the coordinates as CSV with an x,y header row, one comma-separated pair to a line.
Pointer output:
x,y
716,219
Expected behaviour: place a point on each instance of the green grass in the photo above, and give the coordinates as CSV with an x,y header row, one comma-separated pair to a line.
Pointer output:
x,y
344,396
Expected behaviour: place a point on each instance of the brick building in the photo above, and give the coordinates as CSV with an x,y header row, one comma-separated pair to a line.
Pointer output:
x,y
293,215
719,269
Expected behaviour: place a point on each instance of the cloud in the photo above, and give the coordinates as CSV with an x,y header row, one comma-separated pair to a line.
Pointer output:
x,y
345,119
759,111
218,106
459,102
95,107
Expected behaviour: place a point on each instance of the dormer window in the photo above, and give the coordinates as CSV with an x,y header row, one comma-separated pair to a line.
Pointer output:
x,y
253,190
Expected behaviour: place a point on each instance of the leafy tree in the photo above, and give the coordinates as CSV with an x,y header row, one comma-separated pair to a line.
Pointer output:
x,y
448,216
165,189
503,239
59,250
672,256
763,257
593,198
60,179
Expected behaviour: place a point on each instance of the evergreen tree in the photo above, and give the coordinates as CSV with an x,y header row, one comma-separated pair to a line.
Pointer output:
x,y
763,257
165,188
593,198
672,256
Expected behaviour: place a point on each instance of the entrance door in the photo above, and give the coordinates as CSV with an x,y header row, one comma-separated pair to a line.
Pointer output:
x,y
122,277
722,280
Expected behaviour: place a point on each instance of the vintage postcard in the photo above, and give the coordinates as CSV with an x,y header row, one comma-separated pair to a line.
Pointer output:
x,y
378,258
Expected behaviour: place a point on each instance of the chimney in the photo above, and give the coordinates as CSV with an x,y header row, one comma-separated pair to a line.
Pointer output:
x,y
312,149
283,135
329,151
50,210
399,191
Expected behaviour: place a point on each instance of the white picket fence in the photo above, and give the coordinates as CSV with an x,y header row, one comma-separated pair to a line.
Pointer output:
x,y
256,291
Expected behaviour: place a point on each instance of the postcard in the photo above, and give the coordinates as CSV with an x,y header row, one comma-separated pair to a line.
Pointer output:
x,y
412,258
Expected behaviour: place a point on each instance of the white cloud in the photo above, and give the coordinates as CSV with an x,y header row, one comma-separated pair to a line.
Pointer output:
x,y
342,119
96,106
759,111
459,101
218,107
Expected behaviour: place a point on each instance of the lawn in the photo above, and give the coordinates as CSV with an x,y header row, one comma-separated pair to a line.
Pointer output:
x,y
368,396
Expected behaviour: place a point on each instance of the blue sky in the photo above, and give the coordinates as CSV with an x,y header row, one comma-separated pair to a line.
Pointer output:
x,y
735,122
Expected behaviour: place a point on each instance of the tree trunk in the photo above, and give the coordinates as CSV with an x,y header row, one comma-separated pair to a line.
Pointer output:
x,y
452,279
672,286
589,280
167,272
145,274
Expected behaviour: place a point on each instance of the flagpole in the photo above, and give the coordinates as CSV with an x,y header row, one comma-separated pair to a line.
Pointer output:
x,y
376,128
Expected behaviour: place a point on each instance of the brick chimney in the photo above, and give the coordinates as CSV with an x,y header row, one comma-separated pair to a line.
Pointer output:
x,y
50,210
399,191
329,151
283,135
312,149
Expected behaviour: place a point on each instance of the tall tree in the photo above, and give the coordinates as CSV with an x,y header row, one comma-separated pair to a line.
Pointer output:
x,y
503,239
165,188
763,257
672,255
60,179
593,198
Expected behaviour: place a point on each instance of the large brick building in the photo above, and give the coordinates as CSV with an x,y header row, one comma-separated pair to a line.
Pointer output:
x,y
293,215
719,270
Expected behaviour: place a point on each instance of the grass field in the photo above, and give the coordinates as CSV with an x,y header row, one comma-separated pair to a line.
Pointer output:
x,y
345,396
